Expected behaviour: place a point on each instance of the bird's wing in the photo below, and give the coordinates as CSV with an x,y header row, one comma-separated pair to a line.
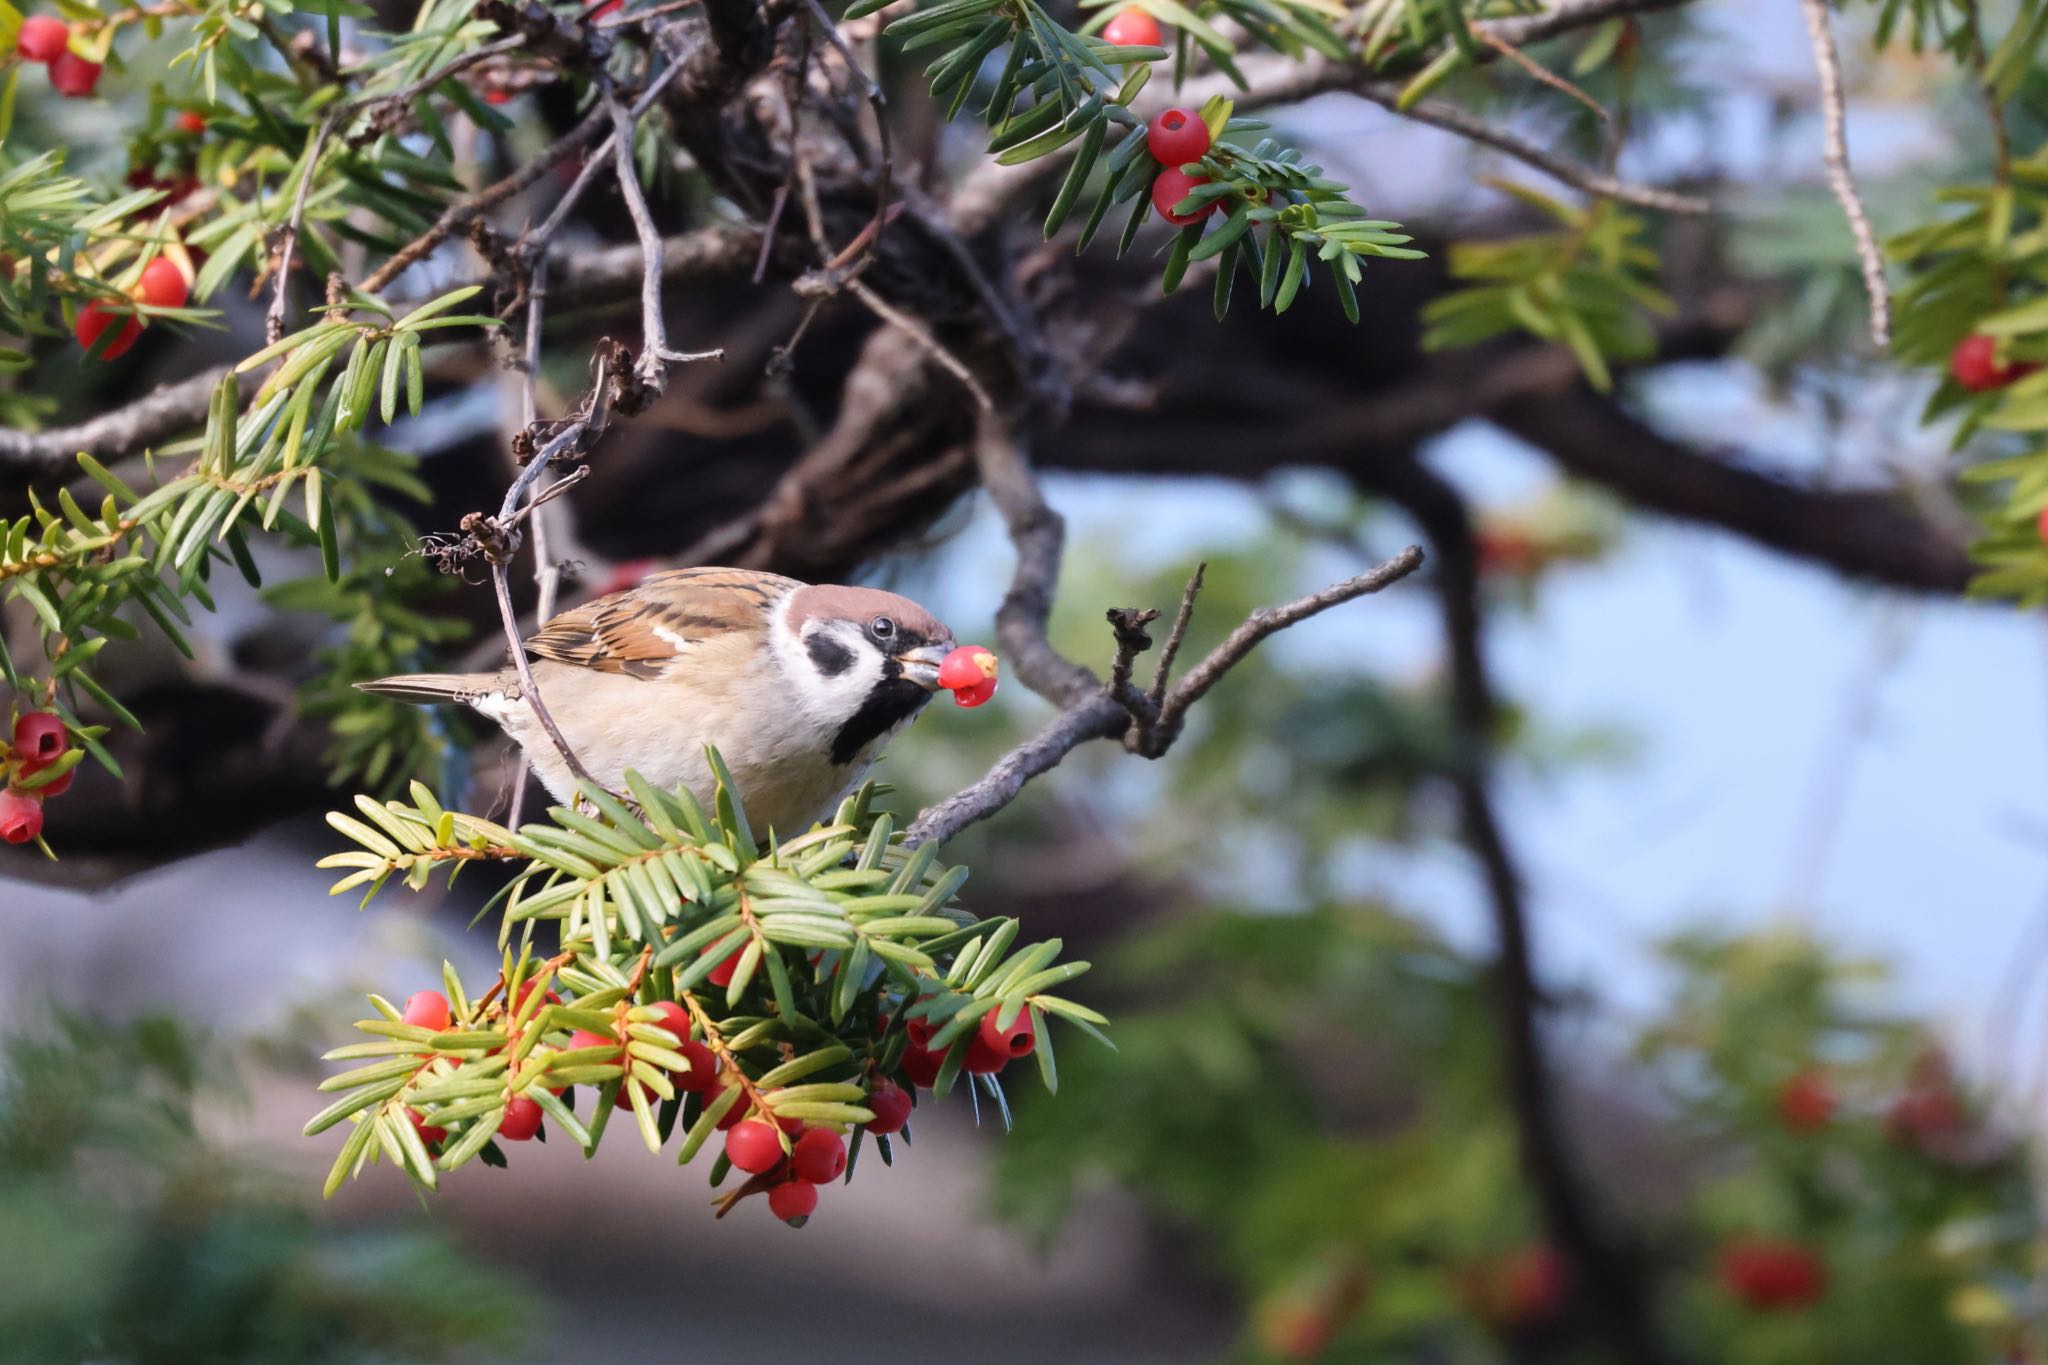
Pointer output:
x,y
642,631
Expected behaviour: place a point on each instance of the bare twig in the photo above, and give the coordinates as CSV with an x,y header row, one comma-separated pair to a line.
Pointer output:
x,y
1834,120
652,366
280,303
878,103
1176,636
1452,119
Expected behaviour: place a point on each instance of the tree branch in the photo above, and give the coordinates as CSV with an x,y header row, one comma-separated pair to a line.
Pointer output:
x,y
1834,120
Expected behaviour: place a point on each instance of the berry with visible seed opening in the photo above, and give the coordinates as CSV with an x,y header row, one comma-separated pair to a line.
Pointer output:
x,y
1015,1041
793,1202
1177,137
40,739
21,815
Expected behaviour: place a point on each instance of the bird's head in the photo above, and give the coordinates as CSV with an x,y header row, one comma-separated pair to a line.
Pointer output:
x,y
861,662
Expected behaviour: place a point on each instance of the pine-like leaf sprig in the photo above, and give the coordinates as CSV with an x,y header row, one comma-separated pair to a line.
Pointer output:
x,y
835,941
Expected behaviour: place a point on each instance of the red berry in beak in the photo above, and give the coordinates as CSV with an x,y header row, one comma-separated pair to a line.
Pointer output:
x,y
40,738
21,816
794,1202
969,673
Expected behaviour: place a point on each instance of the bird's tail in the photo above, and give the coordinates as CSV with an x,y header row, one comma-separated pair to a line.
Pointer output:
x,y
429,689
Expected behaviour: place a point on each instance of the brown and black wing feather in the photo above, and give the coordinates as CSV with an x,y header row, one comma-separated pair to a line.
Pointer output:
x,y
641,631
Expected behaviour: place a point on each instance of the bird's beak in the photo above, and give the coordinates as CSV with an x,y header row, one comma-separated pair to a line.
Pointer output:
x,y
921,665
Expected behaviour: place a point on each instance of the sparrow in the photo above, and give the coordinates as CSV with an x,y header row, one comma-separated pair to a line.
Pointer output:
x,y
798,686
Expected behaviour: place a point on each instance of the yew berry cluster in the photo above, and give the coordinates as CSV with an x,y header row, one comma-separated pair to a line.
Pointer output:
x,y
47,42
31,775
995,1045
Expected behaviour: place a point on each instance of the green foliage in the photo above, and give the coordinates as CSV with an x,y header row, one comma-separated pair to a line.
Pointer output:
x,y
135,1238
838,939
1586,283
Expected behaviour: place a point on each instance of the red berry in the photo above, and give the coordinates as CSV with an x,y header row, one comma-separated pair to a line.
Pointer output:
x,y
163,285
919,1031
21,815
890,1104
703,1072
721,975
793,1202
754,1146
428,1133
921,1067
497,95
983,1058
1132,28
40,739
95,318
1805,1102
608,7
427,1010
2041,524
1171,186
967,666
525,993
819,1157
975,695
624,1098
1975,365
1768,1274
42,38
191,121
1532,1281
522,1119
674,1018
72,75
1177,137
1015,1041
734,1115
57,786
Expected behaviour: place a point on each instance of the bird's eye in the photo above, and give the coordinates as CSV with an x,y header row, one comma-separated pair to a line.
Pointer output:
x,y
882,627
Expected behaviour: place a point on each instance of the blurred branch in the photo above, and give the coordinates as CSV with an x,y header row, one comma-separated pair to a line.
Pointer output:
x,y
1093,709
1605,1274
1834,122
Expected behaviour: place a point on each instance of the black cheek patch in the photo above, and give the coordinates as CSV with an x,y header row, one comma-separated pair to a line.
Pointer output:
x,y
893,701
831,657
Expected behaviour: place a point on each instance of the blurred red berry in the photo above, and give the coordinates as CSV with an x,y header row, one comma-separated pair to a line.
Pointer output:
x,y
427,1010
95,318
163,285
983,1059
40,739
625,574
1171,186
525,993
722,974
890,1104
191,121
1015,1041
919,1031
793,1202
57,786
429,1134
921,1067
1132,28
42,38
608,7
1975,365
1532,1282
72,75
754,1146
21,815
819,1157
1177,137
1805,1102
1769,1274
735,1115
522,1119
